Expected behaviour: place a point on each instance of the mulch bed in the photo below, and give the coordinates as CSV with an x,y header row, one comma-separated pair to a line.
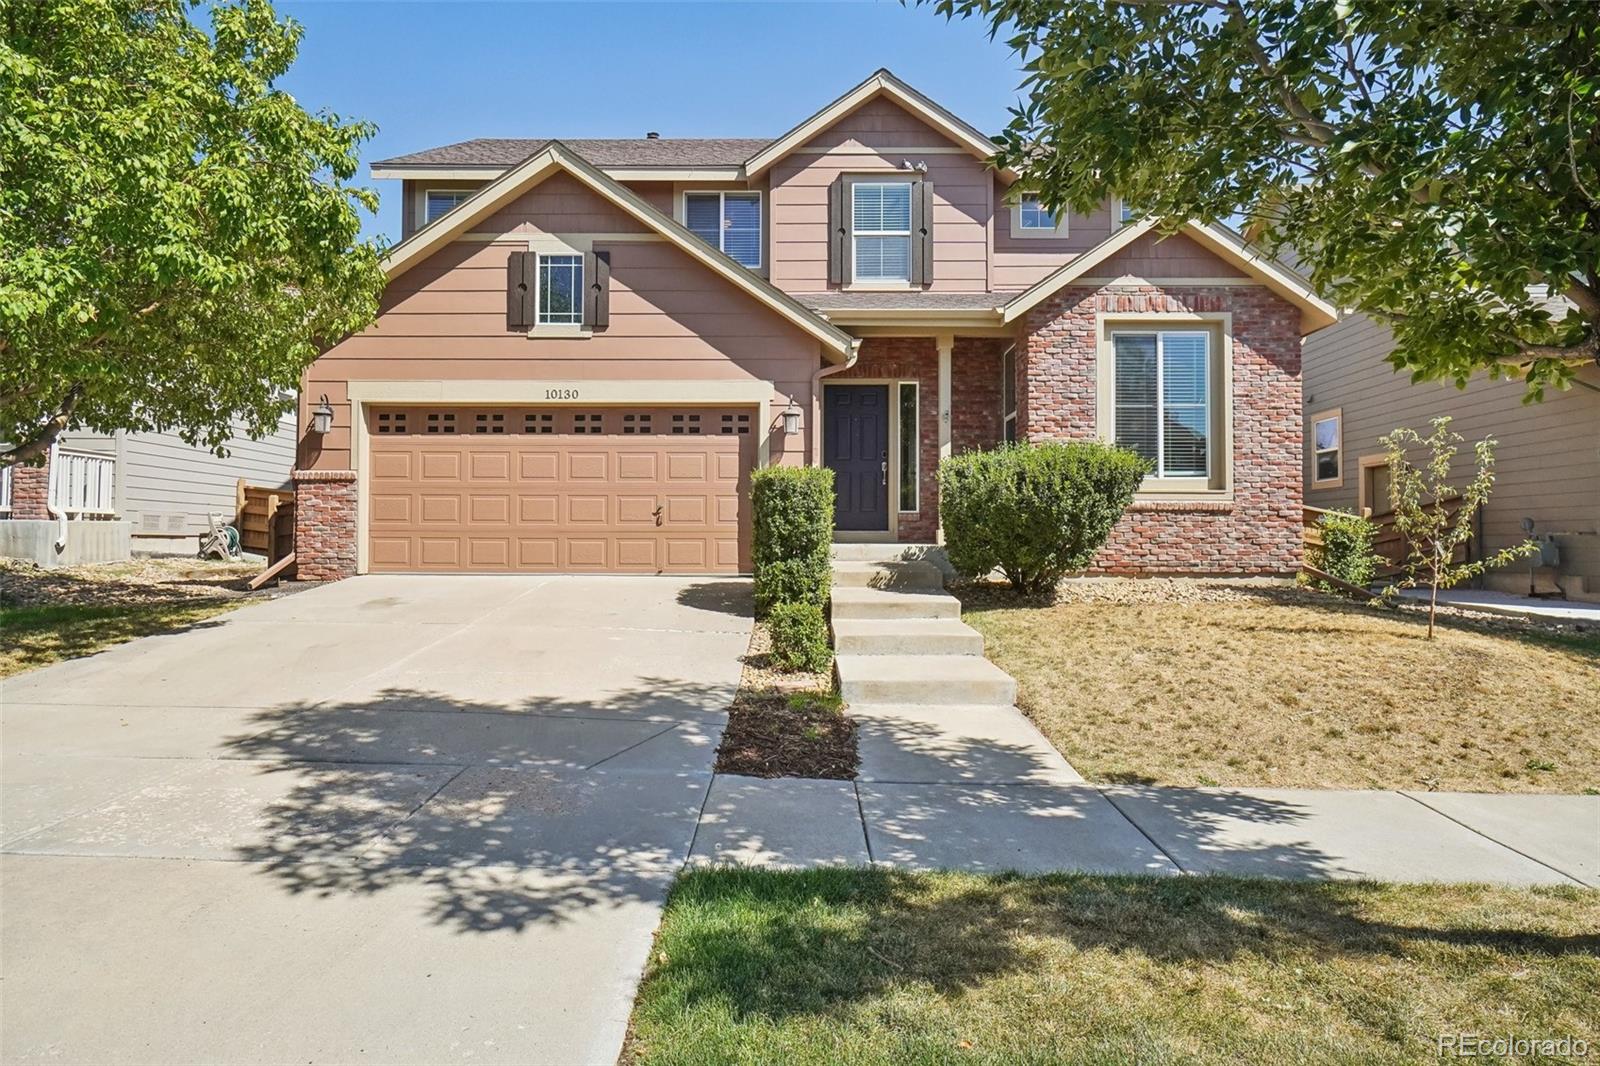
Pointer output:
x,y
786,725
771,734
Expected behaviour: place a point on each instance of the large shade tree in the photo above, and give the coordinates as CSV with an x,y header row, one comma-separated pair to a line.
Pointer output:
x,y
178,238
1435,163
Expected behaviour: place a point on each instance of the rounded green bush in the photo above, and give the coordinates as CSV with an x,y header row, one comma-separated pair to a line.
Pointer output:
x,y
1035,512
1347,551
793,508
799,637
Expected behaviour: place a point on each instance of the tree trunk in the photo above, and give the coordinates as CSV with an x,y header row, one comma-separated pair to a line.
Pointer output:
x,y
1433,604
39,444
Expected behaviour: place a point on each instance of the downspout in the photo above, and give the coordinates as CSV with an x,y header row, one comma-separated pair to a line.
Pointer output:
x,y
50,504
814,452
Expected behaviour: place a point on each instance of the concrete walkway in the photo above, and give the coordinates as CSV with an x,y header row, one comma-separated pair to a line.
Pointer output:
x,y
1491,602
953,776
396,819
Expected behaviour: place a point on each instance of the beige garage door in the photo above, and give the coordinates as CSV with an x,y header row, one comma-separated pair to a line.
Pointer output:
x,y
592,490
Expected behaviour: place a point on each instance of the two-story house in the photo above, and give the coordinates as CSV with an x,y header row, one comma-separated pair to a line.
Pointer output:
x,y
586,347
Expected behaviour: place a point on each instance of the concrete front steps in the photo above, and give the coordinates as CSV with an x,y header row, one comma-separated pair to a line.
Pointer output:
x,y
898,636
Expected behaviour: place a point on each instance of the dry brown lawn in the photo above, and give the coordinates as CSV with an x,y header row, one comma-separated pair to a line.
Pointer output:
x,y
47,616
1179,684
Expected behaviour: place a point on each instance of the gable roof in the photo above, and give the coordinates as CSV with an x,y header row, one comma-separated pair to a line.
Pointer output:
x,y
558,157
502,152
880,83
1315,312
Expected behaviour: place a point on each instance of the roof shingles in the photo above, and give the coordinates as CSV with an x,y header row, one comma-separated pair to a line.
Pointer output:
x,y
506,152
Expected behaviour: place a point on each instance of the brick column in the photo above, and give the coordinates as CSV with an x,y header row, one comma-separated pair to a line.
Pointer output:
x,y
325,524
30,491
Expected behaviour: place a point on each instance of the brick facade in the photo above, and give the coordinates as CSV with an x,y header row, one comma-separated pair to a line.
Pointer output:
x,y
325,538
30,492
1257,531
976,420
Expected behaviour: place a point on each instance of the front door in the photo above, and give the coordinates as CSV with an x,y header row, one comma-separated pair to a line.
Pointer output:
x,y
855,435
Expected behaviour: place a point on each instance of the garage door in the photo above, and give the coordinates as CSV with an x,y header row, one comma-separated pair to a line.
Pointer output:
x,y
592,490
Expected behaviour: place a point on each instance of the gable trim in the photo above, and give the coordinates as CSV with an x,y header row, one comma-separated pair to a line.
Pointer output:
x,y
1315,312
880,83
557,157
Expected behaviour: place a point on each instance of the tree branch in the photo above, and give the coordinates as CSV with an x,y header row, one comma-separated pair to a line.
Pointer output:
x,y
41,441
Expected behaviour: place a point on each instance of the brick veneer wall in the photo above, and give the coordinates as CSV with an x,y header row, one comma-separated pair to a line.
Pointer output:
x,y
325,524
30,492
1258,530
976,420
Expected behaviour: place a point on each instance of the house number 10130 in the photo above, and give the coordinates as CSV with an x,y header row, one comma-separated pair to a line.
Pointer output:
x,y
561,394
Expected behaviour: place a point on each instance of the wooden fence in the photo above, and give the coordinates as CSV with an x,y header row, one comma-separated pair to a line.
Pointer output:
x,y
1389,545
265,520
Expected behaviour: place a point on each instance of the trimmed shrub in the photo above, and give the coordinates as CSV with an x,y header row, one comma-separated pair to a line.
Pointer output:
x,y
793,531
799,637
1035,512
1346,551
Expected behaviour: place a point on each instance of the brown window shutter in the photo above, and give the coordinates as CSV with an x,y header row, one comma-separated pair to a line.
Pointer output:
x,y
922,232
838,231
597,290
519,290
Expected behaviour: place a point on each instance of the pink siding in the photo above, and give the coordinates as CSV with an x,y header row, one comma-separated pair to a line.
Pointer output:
x,y
962,188
671,317
1175,257
1023,261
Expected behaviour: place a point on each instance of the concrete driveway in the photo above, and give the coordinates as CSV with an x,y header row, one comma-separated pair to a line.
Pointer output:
x,y
396,819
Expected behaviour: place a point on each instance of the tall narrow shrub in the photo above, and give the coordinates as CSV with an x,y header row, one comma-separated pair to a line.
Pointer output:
x,y
793,532
1035,512
1347,551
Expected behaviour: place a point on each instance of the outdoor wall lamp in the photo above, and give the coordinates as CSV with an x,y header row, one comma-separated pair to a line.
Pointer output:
x,y
322,416
791,419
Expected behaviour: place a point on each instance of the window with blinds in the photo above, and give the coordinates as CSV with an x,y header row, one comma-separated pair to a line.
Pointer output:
x,y
1163,399
728,221
437,202
880,215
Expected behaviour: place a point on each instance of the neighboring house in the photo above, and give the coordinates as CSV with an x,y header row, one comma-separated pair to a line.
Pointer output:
x,y
586,346
1547,463
132,492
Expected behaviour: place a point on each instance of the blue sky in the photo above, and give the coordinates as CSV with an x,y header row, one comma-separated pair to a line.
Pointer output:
x,y
433,73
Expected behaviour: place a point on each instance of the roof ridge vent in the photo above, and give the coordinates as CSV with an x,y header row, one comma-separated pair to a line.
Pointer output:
x,y
652,136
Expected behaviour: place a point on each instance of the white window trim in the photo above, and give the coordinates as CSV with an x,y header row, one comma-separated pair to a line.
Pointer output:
x,y
722,195
550,244
1336,415
1118,206
538,288
880,283
1037,234
1219,383
916,448
422,204
1160,399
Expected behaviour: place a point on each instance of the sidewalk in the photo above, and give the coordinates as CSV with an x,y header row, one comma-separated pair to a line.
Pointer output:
x,y
944,791
1492,602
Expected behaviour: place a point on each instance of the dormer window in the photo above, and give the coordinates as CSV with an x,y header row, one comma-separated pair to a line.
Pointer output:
x,y
437,202
728,221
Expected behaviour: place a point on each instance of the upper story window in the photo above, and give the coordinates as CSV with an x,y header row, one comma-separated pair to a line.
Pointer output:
x,y
436,202
1327,450
1163,399
1124,212
560,296
728,221
880,214
1034,216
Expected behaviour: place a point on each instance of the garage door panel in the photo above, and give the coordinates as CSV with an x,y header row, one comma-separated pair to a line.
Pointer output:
x,y
490,466
489,552
441,465
491,510
636,510
538,510
539,466
439,551
554,494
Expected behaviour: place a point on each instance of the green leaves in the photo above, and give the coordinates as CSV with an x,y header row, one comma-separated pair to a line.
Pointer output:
x,y
177,240
1434,163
